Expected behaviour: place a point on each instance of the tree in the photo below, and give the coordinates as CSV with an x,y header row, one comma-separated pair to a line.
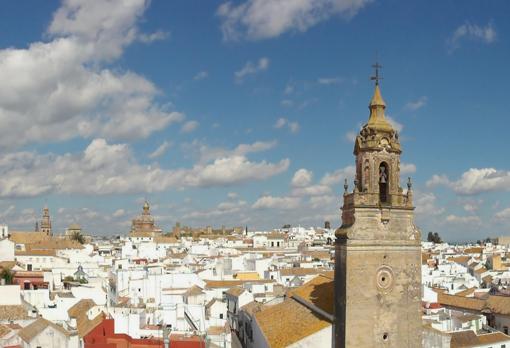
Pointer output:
x,y
434,237
7,275
286,226
77,236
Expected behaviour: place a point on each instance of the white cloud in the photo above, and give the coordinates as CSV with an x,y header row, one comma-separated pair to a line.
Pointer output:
x,y
201,75
283,122
189,126
272,202
289,89
76,93
262,19
426,205
396,125
251,68
475,181
302,178
287,103
106,169
503,215
407,168
224,208
329,80
320,202
155,36
165,145
313,190
470,207
486,34
463,220
350,136
119,213
338,176
437,180
416,104
205,153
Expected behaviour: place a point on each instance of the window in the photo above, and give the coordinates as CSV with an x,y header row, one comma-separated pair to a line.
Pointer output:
x,y
221,317
29,267
505,330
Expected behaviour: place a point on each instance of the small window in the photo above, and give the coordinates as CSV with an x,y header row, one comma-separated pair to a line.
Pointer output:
x,y
221,315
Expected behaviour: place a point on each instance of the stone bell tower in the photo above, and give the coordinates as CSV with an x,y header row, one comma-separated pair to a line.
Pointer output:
x,y
377,250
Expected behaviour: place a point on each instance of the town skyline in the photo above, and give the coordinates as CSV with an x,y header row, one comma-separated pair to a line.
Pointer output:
x,y
244,127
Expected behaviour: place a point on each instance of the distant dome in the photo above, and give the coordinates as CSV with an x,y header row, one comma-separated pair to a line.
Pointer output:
x,y
74,227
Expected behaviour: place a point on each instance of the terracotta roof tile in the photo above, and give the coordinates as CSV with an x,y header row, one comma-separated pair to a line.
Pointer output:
x,y
13,312
288,322
319,292
39,325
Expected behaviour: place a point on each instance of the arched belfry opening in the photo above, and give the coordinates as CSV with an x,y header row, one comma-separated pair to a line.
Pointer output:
x,y
384,178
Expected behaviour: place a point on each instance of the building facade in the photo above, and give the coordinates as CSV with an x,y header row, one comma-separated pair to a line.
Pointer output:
x,y
377,252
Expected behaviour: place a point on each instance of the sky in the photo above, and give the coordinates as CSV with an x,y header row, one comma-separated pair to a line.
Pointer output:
x,y
244,112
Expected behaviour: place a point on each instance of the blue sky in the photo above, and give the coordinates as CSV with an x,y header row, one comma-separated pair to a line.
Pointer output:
x,y
243,112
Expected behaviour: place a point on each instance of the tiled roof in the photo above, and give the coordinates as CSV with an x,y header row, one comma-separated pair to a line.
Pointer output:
x,y
247,276
32,330
194,291
460,301
80,307
300,271
494,304
141,234
319,292
29,274
4,330
473,250
7,264
466,292
459,259
79,311
13,312
166,239
36,252
20,237
235,291
230,283
288,322
493,337
252,307
481,270
465,339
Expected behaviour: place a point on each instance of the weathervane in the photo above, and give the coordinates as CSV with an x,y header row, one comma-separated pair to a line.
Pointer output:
x,y
376,66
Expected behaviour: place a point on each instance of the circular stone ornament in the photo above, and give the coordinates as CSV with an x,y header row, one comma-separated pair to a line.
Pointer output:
x,y
384,278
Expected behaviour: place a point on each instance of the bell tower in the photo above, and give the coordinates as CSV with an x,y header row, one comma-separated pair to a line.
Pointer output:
x,y
377,248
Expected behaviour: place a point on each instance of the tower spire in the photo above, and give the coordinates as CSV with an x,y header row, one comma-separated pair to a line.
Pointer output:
x,y
377,120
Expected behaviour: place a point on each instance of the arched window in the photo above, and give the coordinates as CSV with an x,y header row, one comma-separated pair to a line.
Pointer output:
x,y
384,178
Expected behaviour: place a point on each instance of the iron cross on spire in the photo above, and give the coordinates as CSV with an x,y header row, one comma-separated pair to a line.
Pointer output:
x,y
376,66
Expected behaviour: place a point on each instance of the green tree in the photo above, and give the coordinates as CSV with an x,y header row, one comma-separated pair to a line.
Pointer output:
x,y
7,275
77,236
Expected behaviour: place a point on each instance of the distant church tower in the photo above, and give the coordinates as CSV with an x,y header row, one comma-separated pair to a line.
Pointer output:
x,y
377,251
45,225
